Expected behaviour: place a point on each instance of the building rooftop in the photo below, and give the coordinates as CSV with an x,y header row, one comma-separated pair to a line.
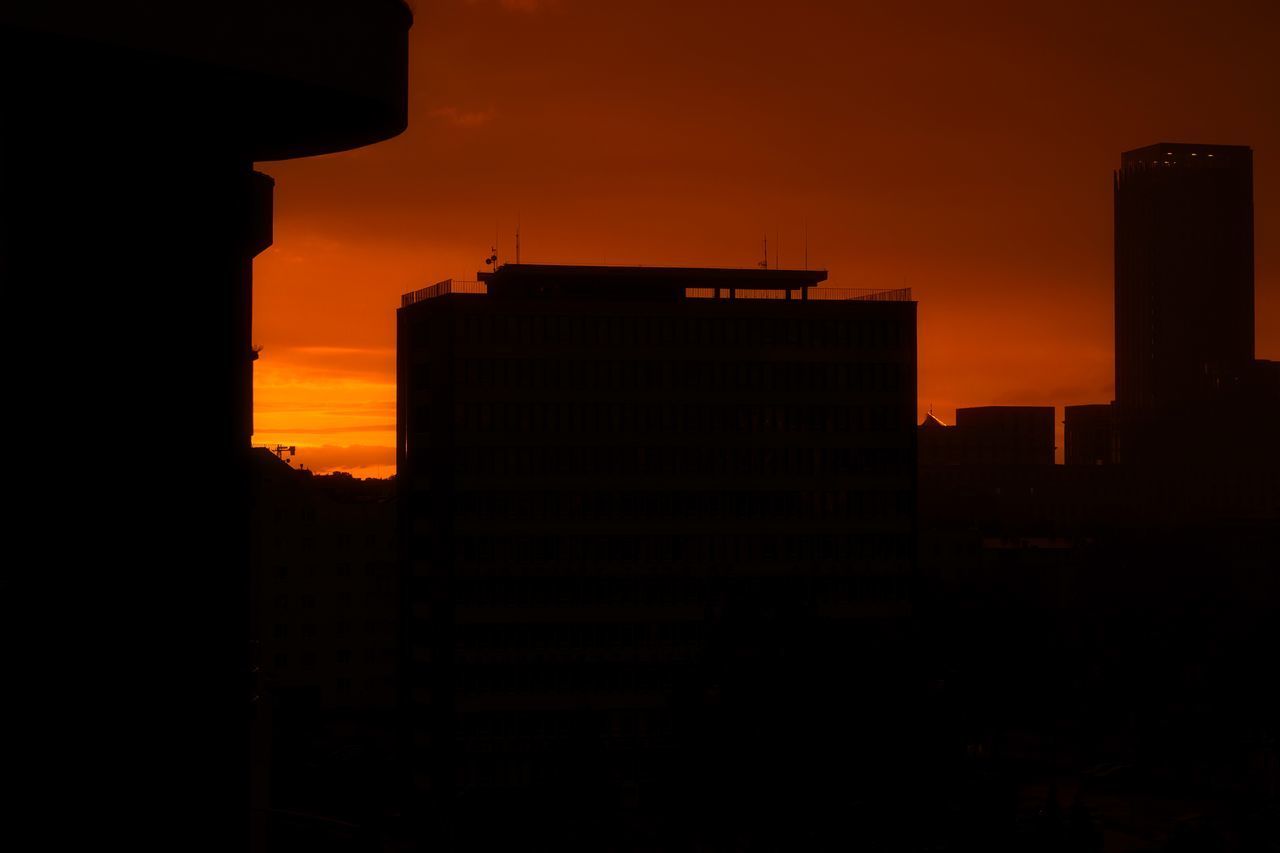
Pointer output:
x,y
1185,153
932,421
651,283
620,276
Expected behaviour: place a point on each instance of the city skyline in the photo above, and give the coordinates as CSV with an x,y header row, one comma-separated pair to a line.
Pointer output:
x,y
645,306
913,162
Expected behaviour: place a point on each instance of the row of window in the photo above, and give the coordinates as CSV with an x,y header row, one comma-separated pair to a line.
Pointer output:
x,y
343,598
552,725
281,630
343,657
709,420
627,642
555,636
720,461
639,330
682,505
667,591
311,569
596,678
670,548
711,376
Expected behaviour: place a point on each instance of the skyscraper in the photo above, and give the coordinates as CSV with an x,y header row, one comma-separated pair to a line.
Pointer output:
x,y
1183,288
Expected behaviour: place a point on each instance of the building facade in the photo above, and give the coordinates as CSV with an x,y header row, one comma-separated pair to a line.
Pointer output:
x,y
656,522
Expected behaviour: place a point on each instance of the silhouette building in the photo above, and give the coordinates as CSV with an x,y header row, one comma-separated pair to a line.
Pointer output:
x,y
989,435
325,628
1183,295
1143,561
656,522
1088,434
130,197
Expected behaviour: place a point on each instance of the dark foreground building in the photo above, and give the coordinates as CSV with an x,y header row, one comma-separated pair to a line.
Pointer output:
x,y
658,529
325,632
127,144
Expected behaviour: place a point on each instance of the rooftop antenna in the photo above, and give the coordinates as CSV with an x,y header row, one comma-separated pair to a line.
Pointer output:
x,y
764,264
517,239
777,248
806,243
280,450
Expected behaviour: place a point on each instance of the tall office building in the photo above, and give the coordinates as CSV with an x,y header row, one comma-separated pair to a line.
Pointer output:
x,y
658,528
1183,290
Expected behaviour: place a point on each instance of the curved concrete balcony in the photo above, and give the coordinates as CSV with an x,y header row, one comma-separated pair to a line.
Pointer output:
x,y
275,78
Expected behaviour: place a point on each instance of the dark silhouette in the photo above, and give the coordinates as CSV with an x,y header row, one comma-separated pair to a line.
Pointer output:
x,y
989,435
658,532
131,214
666,565
326,635
1186,380
1097,623
1088,434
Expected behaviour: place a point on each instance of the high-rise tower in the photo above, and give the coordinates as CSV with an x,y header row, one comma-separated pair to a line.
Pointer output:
x,y
1183,285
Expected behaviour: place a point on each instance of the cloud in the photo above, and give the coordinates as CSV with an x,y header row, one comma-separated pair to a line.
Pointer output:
x,y
463,118
293,365
323,350
335,430
368,408
526,6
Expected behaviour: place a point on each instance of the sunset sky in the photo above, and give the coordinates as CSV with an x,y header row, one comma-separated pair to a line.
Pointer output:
x,y
964,150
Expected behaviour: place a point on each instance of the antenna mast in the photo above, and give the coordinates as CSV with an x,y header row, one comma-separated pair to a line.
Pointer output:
x,y
517,239
764,264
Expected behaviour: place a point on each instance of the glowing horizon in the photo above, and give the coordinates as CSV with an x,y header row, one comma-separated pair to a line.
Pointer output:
x,y
965,154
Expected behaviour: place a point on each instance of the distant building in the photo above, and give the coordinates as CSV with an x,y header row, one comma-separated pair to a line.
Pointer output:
x,y
658,523
1088,435
990,435
1184,274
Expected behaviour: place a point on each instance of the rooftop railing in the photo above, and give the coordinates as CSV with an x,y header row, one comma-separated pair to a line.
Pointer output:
x,y
857,294
843,294
441,288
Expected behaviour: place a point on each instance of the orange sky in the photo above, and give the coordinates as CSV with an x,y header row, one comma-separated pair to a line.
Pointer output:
x,y
961,149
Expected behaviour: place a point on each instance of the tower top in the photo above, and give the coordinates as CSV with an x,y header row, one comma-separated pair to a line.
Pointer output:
x,y
1186,153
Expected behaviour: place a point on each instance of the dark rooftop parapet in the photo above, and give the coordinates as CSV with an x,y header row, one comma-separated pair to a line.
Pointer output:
x,y
1185,154
620,277
653,283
